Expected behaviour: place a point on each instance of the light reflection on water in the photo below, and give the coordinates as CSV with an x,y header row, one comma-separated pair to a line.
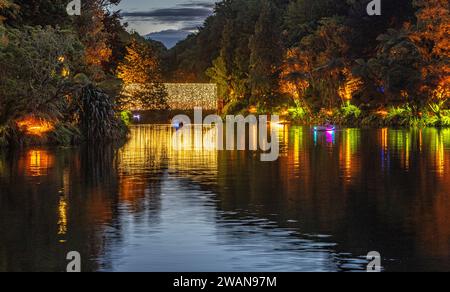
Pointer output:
x,y
329,200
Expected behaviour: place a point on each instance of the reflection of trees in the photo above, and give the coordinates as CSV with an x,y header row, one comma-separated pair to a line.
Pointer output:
x,y
384,190
381,190
28,212
55,201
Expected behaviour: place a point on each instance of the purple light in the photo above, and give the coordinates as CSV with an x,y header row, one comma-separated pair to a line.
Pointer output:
x,y
330,136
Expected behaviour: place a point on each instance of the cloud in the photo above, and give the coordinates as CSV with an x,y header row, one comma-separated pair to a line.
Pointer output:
x,y
172,24
208,5
182,12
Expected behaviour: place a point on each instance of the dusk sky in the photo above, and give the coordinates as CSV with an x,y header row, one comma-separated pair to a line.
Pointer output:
x,y
168,21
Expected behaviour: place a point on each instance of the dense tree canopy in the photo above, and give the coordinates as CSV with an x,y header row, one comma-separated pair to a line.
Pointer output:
x,y
141,76
34,67
302,56
320,53
54,68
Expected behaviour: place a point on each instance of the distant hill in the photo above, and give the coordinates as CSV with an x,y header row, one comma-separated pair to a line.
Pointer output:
x,y
169,37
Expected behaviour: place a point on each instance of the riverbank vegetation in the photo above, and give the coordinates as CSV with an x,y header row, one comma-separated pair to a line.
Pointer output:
x,y
59,80
325,61
69,79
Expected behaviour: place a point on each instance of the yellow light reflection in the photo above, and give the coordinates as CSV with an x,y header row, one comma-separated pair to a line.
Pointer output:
x,y
401,144
420,140
38,162
151,146
298,138
407,151
440,154
62,216
348,156
384,139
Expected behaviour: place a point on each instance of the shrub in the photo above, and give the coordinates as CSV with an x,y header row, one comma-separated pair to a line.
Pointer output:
x,y
350,111
401,116
97,116
373,119
429,120
126,116
445,121
34,69
298,113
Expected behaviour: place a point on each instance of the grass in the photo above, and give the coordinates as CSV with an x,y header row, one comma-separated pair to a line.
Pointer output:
x,y
352,116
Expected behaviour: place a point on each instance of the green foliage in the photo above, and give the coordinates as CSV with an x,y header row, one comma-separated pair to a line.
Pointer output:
x,y
141,75
219,75
445,120
437,108
46,57
325,61
373,120
401,116
97,116
350,111
148,97
298,113
126,117
438,117
322,41
32,72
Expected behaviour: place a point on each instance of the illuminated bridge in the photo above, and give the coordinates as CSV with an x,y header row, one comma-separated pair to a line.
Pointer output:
x,y
186,96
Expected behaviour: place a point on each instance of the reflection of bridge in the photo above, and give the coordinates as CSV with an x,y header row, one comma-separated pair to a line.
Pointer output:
x,y
152,146
186,96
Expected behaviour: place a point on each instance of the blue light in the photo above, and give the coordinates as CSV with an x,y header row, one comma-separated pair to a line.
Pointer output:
x,y
177,124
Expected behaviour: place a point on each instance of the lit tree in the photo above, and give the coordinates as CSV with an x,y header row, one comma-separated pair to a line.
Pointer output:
x,y
34,72
140,73
294,78
323,60
219,75
431,37
94,37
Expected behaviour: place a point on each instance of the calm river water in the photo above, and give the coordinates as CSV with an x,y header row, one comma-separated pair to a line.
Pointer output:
x,y
327,202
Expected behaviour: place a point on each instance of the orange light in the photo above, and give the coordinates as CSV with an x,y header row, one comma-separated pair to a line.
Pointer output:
x,y
382,113
352,85
65,72
35,127
38,162
253,110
